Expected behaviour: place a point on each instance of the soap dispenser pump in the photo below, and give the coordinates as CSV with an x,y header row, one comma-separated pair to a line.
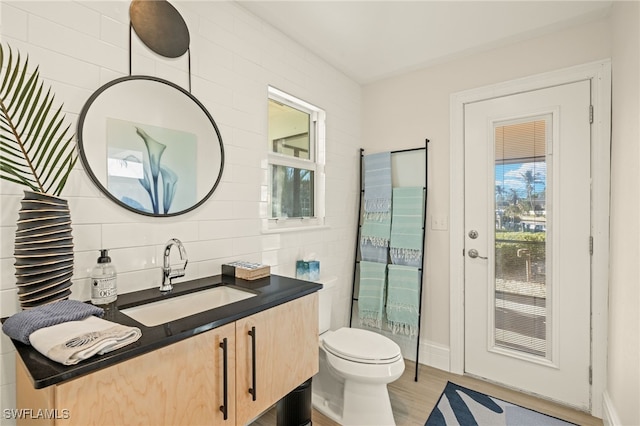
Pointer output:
x,y
104,288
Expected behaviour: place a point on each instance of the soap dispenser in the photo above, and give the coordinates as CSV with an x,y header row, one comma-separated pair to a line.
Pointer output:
x,y
104,288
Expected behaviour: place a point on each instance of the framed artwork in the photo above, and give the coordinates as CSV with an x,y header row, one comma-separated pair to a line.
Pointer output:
x,y
151,168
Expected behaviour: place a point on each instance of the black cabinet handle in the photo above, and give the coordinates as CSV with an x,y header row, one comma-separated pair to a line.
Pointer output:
x,y
224,407
252,389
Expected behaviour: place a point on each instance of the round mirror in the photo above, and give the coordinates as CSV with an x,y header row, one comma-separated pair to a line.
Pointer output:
x,y
150,146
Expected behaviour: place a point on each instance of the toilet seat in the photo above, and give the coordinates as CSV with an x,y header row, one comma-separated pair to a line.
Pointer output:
x,y
361,346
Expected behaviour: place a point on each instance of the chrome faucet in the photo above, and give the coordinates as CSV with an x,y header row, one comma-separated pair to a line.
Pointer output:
x,y
168,273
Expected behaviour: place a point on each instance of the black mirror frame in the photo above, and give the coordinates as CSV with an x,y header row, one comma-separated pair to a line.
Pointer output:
x,y
94,178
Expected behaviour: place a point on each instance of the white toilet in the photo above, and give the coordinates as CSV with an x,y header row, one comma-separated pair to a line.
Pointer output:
x,y
355,367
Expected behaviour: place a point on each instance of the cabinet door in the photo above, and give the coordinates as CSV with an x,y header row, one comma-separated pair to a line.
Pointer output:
x,y
180,384
284,349
29,398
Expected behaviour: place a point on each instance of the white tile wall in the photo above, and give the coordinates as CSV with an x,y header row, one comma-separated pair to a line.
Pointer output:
x,y
234,56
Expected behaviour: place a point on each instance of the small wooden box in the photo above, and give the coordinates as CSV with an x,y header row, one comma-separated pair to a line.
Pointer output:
x,y
246,270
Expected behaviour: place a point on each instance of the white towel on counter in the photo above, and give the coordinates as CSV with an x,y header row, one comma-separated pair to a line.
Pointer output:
x,y
73,341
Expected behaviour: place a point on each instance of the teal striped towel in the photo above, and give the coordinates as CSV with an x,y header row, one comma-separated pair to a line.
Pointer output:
x,y
377,183
403,298
373,277
376,231
407,222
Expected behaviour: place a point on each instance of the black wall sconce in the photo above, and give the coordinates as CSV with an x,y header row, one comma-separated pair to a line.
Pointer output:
x,y
161,28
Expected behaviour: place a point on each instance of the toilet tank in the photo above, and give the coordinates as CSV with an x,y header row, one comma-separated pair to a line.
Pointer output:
x,y
325,303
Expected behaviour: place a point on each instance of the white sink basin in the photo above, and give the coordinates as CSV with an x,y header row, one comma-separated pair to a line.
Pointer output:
x,y
163,311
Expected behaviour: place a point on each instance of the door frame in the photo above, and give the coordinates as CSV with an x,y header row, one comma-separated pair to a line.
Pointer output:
x,y
599,73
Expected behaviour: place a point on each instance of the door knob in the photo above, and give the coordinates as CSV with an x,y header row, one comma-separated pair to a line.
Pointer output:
x,y
473,234
473,253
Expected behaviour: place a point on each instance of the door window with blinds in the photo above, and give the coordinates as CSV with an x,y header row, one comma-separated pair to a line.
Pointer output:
x,y
522,237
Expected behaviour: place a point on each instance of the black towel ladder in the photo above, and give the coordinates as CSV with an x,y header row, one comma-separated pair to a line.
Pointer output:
x,y
357,245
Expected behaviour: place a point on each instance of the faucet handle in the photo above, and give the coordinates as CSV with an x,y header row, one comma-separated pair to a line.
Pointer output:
x,y
176,273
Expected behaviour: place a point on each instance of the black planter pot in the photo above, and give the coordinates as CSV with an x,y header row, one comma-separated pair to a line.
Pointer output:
x,y
43,250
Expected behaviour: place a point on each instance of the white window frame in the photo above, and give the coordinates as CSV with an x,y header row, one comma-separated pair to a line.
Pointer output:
x,y
315,163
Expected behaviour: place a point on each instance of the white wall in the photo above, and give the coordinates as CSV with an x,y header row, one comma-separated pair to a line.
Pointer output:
x,y
623,387
83,45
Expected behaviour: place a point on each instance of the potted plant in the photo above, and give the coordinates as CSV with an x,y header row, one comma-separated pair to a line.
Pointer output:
x,y
37,151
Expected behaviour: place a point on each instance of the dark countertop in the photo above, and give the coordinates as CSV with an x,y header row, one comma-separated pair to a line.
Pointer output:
x,y
270,291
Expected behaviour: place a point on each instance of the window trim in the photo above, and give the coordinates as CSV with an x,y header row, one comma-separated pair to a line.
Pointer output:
x,y
315,163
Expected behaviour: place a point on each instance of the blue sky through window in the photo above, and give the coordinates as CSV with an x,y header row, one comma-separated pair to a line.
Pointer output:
x,y
509,176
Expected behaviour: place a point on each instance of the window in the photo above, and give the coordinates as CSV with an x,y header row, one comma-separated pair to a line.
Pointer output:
x,y
521,239
296,162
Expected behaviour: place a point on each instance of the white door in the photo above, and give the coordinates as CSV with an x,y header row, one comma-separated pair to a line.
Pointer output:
x,y
527,242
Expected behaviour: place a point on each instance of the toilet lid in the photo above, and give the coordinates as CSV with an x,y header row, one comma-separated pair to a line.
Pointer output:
x,y
362,346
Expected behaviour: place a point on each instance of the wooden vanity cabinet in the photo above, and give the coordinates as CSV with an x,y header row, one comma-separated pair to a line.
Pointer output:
x,y
182,384
282,350
179,384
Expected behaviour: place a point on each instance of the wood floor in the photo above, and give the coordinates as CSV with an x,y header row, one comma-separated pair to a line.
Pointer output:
x,y
413,401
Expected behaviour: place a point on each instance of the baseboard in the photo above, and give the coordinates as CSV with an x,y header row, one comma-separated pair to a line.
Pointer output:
x,y
434,355
431,354
609,413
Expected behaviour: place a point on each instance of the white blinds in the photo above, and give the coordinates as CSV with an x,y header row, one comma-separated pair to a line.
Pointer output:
x,y
521,304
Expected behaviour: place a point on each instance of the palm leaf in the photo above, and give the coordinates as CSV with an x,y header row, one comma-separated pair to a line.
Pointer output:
x,y
36,147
